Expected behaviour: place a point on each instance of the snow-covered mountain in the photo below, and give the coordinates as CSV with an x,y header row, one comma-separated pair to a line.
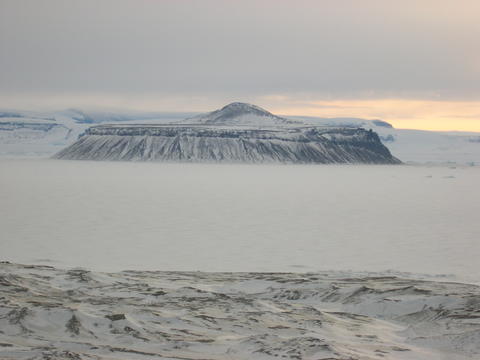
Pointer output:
x,y
233,144
238,132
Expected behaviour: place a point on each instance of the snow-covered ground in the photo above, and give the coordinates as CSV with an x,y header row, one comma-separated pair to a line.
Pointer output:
x,y
117,215
424,147
53,314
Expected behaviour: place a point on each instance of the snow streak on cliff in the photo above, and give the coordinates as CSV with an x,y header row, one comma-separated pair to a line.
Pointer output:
x,y
203,143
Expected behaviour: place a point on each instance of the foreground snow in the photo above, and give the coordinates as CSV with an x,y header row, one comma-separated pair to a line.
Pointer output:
x,y
47,313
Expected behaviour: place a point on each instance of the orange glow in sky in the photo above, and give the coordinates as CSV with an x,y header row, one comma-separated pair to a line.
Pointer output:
x,y
406,114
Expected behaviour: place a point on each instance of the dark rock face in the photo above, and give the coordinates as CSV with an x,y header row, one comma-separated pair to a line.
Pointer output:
x,y
202,143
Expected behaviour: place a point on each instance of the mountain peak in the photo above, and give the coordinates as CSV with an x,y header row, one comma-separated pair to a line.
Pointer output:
x,y
245,107
238,113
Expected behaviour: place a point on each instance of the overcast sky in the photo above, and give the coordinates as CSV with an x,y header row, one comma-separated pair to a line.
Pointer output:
x,y
302,57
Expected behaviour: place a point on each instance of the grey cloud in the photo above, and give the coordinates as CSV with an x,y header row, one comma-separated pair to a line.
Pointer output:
x,y
242,48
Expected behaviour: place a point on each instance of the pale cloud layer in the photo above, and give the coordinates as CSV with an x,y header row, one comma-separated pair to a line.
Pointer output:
x,y
198,54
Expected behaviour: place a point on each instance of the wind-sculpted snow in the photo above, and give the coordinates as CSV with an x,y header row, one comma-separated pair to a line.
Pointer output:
x,y
46,313
203,143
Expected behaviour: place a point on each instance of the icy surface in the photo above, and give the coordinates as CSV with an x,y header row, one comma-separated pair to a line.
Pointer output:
x,y
52,314
425,147
118,215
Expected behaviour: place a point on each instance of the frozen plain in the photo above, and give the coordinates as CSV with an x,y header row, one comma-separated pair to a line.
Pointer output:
x,y
298,262
111,216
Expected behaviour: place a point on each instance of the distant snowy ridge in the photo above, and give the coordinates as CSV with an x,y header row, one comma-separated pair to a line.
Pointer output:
x,y
34,133
18,137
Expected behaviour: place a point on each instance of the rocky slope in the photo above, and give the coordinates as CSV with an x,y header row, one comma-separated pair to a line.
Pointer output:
x,y
233,145
238,133
47,313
